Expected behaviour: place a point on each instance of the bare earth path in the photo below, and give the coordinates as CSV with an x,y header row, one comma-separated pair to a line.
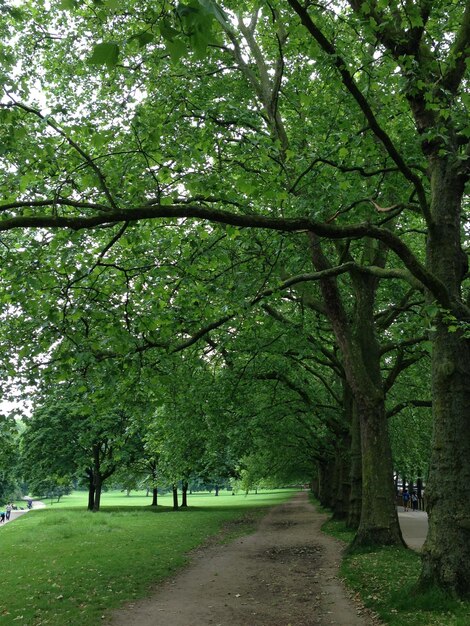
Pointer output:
x,y
285,574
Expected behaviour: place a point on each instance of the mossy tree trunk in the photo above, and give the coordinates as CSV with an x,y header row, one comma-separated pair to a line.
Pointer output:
x,y
326,491
361,361
343,457
379,519
446,554
355,497
342,479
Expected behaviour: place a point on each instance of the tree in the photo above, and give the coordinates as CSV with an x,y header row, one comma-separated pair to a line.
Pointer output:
x,y
69,436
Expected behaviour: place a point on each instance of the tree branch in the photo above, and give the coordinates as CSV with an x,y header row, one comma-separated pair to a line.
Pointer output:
x,y
321,229
363,104
403,405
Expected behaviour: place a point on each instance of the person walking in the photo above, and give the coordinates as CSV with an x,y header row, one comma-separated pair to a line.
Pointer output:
x,y
414,501
8,511
406,499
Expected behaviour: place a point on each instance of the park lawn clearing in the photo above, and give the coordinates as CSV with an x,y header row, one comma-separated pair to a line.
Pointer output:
x,y
69,566
386,579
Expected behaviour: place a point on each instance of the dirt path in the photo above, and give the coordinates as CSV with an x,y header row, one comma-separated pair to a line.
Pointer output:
x,y
282,575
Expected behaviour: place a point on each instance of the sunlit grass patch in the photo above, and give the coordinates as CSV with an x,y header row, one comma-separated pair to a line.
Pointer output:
x,y
70,566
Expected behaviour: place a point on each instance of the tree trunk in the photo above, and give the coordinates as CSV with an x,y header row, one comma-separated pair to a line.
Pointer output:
x,y
175,497
355,498
379,520
361,361
326,470
343,457
446,553
315,486
154,496
343,486
184,493
216,490
98,487
91,491
419,487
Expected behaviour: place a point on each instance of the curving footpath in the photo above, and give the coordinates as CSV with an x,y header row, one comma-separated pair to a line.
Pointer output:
x,y
37,504
414,528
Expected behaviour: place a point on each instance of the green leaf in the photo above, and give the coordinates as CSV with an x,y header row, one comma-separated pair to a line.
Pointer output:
x,y
167,31
105,54
176,49
68,5
212,8
144,39
98,140
113,5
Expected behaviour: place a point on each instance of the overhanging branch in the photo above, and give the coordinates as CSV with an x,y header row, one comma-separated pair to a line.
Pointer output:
x,y
301,224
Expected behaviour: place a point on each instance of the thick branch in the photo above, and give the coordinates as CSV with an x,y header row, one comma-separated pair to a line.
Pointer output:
x,y
321,229
403,405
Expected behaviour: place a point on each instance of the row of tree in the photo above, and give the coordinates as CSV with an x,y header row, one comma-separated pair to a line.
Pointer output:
x,y
77,437
257,206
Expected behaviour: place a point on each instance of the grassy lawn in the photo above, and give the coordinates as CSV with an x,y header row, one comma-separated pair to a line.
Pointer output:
x,y
64,565
386,581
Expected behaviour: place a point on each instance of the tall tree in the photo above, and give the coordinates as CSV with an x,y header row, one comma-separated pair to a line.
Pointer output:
x,y
264,157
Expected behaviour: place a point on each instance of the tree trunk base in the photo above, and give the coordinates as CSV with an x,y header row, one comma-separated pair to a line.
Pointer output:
x,y
375,537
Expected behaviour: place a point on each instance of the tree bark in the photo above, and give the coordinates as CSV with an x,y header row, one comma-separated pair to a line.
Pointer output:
x,y
343,457
175,497
154,496
379,520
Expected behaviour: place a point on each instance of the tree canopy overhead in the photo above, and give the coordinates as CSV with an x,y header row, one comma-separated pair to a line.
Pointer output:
x,y
182,168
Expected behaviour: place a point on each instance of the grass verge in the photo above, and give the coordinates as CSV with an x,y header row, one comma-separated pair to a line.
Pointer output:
x,y
386,578
68,566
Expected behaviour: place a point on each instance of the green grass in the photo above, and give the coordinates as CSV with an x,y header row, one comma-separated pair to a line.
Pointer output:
x,y
64,565
386,580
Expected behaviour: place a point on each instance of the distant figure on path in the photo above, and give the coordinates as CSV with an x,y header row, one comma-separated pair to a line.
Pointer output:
x,y
2,517
414,501
8,511
406,499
